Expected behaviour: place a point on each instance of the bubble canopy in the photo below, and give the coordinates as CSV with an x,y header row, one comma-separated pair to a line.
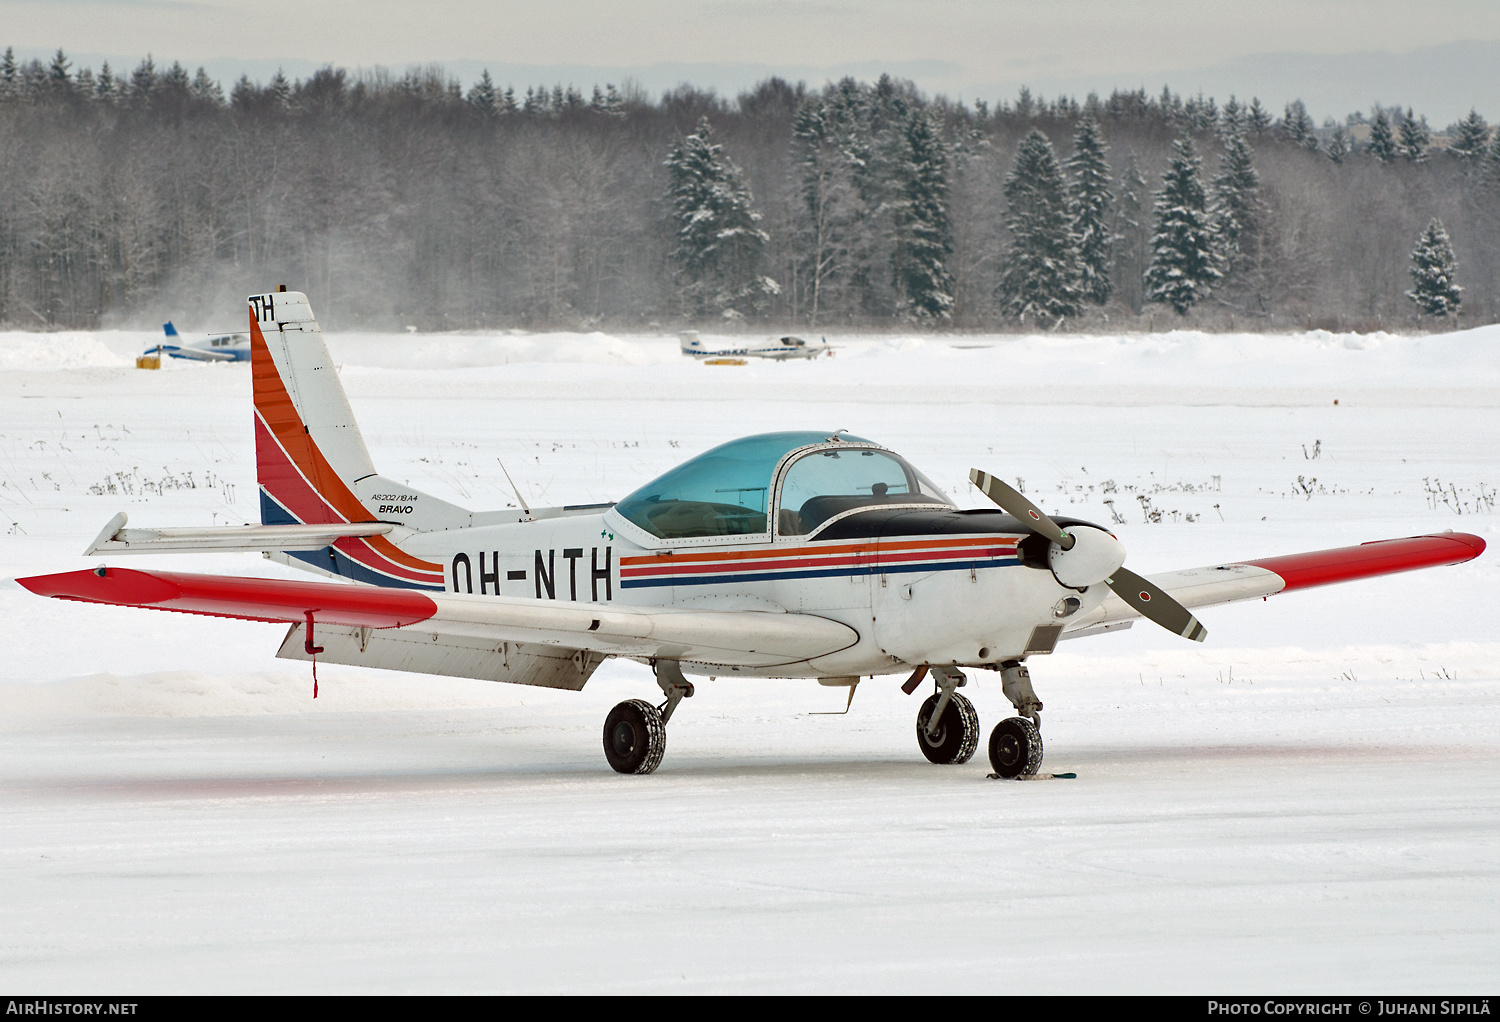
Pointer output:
x,y
727,491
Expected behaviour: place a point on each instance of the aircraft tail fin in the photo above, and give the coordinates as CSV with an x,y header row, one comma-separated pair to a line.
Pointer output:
x,y
311,461
169,328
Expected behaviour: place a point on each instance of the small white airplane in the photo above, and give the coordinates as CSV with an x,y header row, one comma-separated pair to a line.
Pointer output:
x,y
212,348
779,348
790,555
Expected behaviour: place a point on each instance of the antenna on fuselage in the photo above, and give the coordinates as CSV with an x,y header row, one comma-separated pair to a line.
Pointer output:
x,y
516,491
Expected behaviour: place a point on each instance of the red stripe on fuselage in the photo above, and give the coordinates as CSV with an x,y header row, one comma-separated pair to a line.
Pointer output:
x,y
832,559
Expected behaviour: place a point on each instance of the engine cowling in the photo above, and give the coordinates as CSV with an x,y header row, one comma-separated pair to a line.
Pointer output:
x,y
1094,557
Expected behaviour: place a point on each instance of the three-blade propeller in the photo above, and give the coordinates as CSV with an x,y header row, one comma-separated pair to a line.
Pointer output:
x,y
1148,599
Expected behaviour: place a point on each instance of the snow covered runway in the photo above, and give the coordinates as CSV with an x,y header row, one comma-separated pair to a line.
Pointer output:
x,y
1309,802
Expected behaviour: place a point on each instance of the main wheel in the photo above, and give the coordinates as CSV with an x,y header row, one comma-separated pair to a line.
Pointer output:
x,y
634,737
957,733
1016,747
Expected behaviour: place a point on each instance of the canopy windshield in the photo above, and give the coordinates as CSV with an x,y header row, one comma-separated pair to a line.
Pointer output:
x,y
721,492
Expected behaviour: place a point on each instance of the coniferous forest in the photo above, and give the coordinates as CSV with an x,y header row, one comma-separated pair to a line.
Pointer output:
x,y
127,197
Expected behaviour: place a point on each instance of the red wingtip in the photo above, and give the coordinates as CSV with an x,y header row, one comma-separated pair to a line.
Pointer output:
x,y
123,586
1378,557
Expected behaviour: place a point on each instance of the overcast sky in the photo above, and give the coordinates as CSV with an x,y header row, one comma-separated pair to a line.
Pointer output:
x,y
970,48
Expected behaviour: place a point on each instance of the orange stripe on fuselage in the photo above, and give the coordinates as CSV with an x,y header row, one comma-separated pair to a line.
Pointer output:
x,y
280,415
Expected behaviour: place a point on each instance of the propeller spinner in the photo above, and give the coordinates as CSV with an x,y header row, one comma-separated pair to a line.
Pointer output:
x,y
1084,558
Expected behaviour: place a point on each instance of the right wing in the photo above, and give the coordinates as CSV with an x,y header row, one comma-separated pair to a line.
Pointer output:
x,y
1267,576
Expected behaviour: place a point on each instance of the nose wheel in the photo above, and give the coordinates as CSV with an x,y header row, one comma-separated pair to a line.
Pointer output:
x,y
1015,748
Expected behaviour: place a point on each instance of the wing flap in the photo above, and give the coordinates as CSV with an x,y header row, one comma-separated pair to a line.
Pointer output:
x,y
420,651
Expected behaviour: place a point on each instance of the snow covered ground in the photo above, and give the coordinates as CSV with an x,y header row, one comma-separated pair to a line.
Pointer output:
x,y
1309,801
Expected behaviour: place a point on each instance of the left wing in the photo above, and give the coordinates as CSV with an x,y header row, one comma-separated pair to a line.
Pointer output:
x,y
553,643
1267,576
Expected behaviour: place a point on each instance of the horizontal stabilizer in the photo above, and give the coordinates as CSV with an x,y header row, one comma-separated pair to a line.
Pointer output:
x,y
116,539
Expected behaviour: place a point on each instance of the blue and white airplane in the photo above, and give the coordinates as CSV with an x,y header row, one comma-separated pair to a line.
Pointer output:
x,y
213,348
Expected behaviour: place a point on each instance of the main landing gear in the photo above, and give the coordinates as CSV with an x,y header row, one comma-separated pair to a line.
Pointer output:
x,y
635,732
947,726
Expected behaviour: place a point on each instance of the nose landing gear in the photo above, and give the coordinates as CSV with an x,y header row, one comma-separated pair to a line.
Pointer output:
x,y
1016,742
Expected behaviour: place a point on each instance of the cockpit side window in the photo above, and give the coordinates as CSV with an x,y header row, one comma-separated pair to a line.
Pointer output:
x,y
825,483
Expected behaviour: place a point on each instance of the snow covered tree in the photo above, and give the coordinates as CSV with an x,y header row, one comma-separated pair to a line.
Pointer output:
x,y
106,87
1041,275
1382,143
1257,118
1416,139
719,241
822,140
923,234
1132,234
1432,272
482,95
1492,163
1233,119
507,104
1340,145
1090,199
59,76
10,75
609,102
143,80
1471,140
1184,264
1235,203
1025,108
174,81
280,90
1297,126
205,89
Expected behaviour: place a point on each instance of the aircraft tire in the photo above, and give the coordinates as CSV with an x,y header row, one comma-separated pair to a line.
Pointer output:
x,y
957,735
634,737
1016,747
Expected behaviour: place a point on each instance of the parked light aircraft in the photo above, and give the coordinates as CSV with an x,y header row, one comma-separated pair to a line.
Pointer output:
x,y
232,347
791,555
779,348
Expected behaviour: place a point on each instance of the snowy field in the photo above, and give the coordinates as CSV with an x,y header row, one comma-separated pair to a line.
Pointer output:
x,y
1307,802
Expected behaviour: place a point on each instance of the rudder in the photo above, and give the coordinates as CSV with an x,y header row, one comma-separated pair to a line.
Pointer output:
x,y
309,454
